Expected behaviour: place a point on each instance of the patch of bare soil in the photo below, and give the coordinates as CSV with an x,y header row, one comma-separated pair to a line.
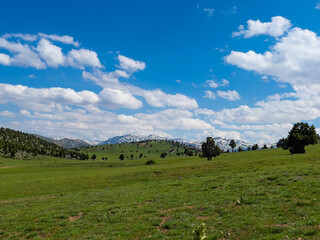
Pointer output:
x,y
7,167
176,208
74,218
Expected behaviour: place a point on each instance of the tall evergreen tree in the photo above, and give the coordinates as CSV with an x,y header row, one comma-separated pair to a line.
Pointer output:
x,y
232,144
210,149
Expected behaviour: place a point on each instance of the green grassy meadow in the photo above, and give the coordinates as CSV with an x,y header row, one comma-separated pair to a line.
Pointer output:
x,y
265,194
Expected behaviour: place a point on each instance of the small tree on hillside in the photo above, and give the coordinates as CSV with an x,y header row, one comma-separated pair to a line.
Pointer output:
x,y
301,135
93,157
121,157
163,155
283,143
232,144
255,147
210,149
240,149
265,147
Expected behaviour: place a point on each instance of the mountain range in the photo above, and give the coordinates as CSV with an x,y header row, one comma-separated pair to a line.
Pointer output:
x,y
66,142
222,143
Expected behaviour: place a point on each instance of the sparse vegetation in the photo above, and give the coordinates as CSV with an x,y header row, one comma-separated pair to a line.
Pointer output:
x,y
150,162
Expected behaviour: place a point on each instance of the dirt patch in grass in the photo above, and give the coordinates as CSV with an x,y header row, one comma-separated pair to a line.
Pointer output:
x,y
27,199
163,221
202,218
176,208
7,167
74,218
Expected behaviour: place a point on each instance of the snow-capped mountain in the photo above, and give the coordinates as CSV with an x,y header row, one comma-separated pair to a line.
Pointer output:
x,y
222,143
70,142
134,138
66,142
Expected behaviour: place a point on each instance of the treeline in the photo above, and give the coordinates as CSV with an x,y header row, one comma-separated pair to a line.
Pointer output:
x,y
14,143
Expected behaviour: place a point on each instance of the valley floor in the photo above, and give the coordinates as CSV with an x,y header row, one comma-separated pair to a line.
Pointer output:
x,y
266,194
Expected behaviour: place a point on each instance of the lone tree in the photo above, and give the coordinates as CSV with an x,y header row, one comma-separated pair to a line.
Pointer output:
x,y
163,155
283,143
255,147
121,156
232,144
301,135
93,157
210,149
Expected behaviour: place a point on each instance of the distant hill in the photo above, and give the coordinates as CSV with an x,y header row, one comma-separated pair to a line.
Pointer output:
x,y
18,144
223,143
66,142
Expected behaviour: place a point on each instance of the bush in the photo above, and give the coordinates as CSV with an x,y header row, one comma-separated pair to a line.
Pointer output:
x,y
150,162
163,155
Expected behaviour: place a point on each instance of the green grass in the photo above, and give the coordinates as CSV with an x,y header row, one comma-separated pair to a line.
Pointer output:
x,y
267,194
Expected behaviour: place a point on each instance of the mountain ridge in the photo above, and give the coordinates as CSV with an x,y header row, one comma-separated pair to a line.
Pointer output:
x,y
223,143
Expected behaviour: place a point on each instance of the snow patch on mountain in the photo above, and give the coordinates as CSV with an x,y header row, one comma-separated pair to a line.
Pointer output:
x,y
222,143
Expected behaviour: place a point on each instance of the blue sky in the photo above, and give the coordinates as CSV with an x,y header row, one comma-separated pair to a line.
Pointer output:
x,y
95,69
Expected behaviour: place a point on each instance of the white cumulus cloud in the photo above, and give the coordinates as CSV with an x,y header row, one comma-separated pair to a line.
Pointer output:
x,y
64,39
50,53
229,95
277,27
130,65
83,57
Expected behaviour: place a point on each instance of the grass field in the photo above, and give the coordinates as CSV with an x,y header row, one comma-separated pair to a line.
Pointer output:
x,y
266,194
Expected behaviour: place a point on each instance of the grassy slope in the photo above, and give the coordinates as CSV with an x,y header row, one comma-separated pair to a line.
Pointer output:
x,y
151,150
265,194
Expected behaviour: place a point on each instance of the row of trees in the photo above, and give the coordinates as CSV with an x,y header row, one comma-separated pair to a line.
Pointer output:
x,y
300,135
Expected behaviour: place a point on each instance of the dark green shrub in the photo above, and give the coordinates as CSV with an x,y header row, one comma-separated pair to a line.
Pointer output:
x,y
150,162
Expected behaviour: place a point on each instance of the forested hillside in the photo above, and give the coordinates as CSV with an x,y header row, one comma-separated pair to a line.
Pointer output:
x,y
18,144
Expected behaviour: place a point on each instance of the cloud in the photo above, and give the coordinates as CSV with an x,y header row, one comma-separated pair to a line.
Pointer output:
x,y
276,28
25,37
64,39
210,95
117,98
48,99
5,59
158,98
23,55
102,125
155,97
50,53
214,84
178,81
83,57
318,5
130,65
294,60
7,114
32,76
34,37
229,95
45,54
209,11
204,111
